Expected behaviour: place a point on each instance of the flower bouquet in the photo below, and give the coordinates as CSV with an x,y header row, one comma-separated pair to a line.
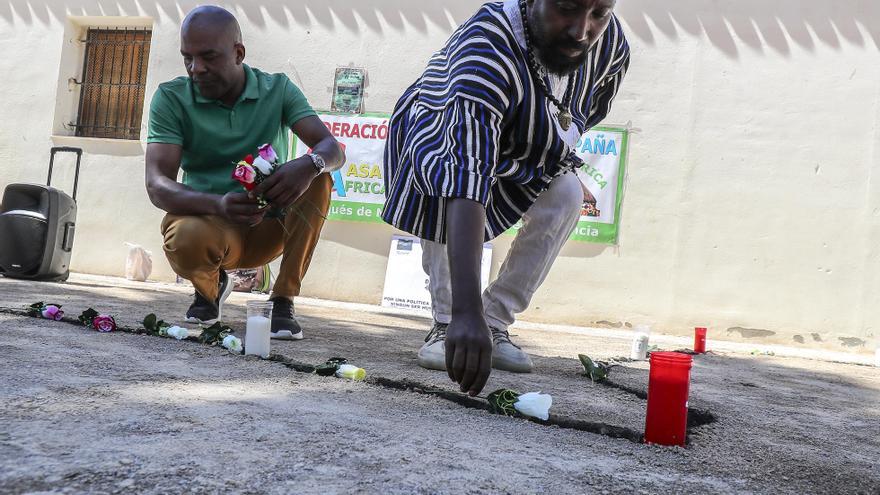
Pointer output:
x,y
252,170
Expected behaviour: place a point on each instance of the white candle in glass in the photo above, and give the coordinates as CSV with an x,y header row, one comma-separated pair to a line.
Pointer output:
x,y
639,350
257,338
259,325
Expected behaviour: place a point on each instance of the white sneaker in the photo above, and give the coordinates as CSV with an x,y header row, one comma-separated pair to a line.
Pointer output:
x,y
432,355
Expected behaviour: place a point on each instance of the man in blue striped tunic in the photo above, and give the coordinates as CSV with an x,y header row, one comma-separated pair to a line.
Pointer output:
x,y
484,138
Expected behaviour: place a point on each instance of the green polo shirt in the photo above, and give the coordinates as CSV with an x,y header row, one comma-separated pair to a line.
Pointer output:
x,y
214,136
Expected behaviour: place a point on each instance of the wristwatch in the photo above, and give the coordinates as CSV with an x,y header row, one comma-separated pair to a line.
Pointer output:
x,y
318,162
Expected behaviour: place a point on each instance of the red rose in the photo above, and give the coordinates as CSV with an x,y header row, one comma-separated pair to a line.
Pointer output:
x,y
104,323
249,159
244,174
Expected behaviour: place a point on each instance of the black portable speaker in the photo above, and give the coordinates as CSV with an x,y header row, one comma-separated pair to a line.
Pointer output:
x,y
37,225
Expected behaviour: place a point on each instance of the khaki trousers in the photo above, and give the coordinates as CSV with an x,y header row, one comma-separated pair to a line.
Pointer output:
x,y
546,226
198,247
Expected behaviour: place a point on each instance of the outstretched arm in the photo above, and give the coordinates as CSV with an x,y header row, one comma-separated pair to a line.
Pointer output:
x,y
468,345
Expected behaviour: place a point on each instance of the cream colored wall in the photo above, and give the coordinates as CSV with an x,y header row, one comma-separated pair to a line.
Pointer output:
x,y
751,205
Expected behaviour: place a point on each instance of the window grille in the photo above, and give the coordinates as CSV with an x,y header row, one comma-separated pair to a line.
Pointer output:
x,y
111,99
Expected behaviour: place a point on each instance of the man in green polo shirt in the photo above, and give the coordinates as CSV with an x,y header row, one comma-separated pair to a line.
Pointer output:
x,y
204,124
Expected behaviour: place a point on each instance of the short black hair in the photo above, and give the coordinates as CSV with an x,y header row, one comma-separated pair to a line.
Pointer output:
x,y
212,16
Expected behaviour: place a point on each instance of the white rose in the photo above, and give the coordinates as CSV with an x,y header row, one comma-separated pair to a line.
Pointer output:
x,y
178,333
351,372
232,343
534,405
262,165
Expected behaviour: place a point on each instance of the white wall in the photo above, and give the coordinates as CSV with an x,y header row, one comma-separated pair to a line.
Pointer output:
x,y
750,201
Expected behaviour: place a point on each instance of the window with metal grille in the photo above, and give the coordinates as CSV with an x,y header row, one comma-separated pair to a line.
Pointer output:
x,y
111,101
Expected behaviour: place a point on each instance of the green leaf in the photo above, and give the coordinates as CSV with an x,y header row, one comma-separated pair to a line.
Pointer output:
x,y
326,369
502,400
330,367
87,317
35,309
214,334
596,370
154,326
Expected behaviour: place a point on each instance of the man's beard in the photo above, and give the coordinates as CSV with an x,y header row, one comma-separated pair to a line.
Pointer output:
x,y
549,54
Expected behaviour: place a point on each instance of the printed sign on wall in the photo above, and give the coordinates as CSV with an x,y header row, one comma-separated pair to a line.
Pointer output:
x,y
359,191
603,149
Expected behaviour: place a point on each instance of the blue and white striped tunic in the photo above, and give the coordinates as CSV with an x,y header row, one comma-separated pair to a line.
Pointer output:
x,y
476,125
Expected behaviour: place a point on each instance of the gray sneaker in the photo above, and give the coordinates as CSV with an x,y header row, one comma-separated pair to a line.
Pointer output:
x,y
508,356
432,355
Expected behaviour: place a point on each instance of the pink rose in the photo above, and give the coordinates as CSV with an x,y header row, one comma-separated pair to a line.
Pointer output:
x,y
244,174
52,312
104,323
268,153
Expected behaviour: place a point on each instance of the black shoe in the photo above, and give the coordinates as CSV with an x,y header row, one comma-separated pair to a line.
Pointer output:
x,y
205,312
284,324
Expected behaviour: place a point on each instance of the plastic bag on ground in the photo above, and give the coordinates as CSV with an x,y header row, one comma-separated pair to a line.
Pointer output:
x,y
139,263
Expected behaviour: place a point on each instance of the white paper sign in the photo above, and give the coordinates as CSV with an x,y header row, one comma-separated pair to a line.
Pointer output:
x,y
406,283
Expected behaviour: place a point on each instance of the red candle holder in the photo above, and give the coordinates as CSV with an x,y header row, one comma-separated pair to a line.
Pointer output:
x,y
668,386
700,340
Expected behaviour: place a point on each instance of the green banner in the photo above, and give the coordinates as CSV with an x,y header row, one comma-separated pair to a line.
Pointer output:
x,y
355,212
603,150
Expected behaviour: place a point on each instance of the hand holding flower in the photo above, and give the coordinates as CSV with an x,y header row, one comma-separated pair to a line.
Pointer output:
x,y
239,208
287,183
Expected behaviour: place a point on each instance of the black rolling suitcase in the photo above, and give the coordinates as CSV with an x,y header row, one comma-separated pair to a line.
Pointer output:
x,y
37,224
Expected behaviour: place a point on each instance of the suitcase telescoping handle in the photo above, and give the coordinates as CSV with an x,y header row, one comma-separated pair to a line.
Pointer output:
x,y
65,149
